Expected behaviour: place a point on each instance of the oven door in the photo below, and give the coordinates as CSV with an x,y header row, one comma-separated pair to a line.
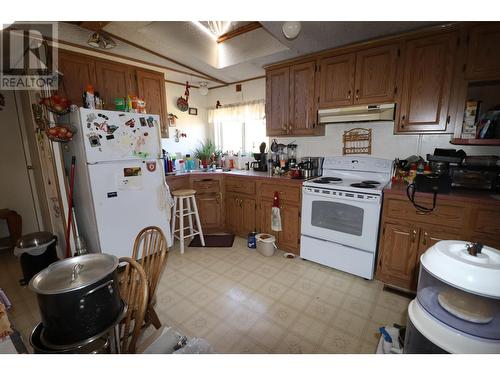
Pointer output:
x,y
345,221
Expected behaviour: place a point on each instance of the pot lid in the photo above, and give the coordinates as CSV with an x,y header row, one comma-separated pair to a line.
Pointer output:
x,y
73,273
34,239
453,263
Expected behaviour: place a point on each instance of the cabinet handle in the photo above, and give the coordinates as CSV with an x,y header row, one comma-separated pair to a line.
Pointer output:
x,y
403,121
241,203
357,94
413,235
349,94
290,128
424,242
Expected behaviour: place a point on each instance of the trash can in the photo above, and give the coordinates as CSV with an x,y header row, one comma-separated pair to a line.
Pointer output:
x,y
265,244
36,251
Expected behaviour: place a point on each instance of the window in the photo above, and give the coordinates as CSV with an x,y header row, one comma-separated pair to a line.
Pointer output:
x,y
239,127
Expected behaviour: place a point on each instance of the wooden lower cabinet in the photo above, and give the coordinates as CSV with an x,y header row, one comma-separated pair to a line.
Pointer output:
x,y
240,214
241,205
397,254
209,209
289,237
403,240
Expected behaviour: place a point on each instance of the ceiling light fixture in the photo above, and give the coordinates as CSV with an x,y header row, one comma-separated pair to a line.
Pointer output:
x,y
203,89
291,29
100,39
213,29
204,29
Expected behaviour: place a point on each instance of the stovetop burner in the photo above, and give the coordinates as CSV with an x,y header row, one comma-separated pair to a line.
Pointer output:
x,y
363,185
370,182
327,180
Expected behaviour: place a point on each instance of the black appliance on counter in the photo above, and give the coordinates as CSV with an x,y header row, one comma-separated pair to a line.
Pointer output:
x,y
468,172
261,164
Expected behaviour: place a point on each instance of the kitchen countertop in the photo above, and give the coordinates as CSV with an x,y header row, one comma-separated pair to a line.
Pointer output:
x,y
239,173
462,195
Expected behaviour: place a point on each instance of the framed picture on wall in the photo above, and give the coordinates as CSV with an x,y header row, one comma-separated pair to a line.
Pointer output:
x,y
193,111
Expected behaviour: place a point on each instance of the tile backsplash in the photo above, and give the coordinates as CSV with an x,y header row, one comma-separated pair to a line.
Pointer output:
x,y
384,143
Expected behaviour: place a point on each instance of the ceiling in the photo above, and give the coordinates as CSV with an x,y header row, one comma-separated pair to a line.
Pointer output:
x,y
192,54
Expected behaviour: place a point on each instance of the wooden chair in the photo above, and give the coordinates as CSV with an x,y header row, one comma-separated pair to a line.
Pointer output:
x,y
134,291
151,251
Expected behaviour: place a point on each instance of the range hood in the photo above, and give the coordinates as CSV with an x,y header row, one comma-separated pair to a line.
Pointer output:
x,y
381,112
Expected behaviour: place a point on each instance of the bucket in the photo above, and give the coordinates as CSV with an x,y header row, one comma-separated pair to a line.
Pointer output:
x,y
265,244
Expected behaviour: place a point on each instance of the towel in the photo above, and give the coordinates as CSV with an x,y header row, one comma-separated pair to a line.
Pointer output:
x,y
276,214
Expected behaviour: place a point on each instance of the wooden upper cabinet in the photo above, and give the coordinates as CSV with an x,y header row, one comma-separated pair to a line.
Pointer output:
x,y
114,80
375,80
277,101
428,71
302,120
336,80
78,72
151,88
483,60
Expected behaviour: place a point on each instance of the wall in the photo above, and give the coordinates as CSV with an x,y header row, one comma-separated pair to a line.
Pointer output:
x,y
384,143
251,90
194,126
15,190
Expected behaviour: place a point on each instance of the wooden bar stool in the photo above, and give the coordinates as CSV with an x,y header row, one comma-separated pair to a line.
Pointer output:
x,y
180,197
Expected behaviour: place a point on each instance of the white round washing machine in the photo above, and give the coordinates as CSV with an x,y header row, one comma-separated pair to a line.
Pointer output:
x,y
457,309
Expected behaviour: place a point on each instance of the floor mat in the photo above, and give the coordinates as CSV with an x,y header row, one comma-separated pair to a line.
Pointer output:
x,y
214,240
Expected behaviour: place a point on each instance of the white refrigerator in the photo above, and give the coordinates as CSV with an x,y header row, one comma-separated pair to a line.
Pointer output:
x,y
120,183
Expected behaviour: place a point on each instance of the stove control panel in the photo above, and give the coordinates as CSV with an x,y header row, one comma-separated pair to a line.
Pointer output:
x,y
348,195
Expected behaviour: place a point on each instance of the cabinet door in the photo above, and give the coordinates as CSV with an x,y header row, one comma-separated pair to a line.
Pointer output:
x,y
151,88
376,75
428,71
247,218
113,81
397,254
265,216
289,237
78,72
336,80
429,236
277,101
302,103
232,213
483,60
209,209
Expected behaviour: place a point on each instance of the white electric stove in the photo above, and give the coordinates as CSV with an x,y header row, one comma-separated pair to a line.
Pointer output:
x,y
341,213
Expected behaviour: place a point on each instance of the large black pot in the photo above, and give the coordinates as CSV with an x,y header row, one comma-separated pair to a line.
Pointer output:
x,y
78,298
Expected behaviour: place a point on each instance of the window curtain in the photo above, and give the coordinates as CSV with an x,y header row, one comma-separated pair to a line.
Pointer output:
x,y
241,112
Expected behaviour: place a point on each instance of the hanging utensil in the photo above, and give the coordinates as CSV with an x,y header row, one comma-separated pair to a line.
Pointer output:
x,y
183,103
274,146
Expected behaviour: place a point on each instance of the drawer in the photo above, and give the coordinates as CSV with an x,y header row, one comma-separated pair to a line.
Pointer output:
x,y
444,214
486,220
287,193
206,186
178,183
240,185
